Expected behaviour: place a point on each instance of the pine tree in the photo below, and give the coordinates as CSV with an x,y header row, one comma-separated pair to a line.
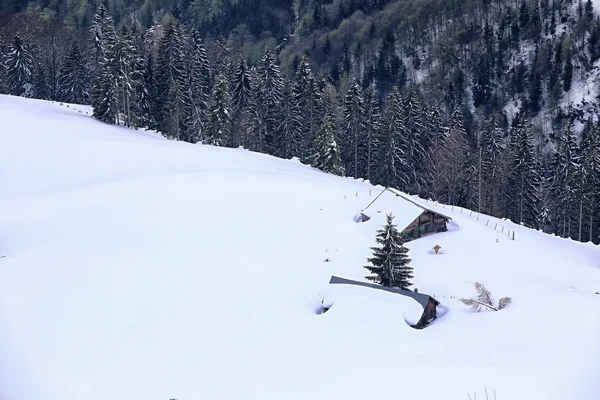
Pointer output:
x,y
415,128
200,85
354,113
565,167
287,142
491,151
41,82
268,94
218,129
304,93
173,104
390,263
73,78
241,96
101,23
142,107
104,90
392,169
129,75
327,157
20,69
589,190
150,106
523,177
372,125
435,131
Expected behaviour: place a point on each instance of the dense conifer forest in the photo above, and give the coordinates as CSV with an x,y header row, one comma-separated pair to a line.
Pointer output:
x,y
490,105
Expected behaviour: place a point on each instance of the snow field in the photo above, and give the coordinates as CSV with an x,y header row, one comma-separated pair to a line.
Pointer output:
x,y
140,268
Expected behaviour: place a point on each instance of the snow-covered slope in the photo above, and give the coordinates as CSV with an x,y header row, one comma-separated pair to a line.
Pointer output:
x,y
140,268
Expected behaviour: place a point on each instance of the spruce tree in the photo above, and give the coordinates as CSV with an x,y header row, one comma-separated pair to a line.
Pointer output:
x,y
415,153
435,131
102,26
523,176
589,193
241,95
328,157
491,151
104,90
41,82
304,92
372,125
150,107
20,69
104,94
129,74
218,128
268,97
390,263
354,124
199,85
287,141
565,168
173,102
73,86
392,169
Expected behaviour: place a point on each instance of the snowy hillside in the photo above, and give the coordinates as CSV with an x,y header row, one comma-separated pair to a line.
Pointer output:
x,y
139,268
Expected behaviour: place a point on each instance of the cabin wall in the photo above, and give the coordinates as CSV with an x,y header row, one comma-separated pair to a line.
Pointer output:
x,y
429,314
425,224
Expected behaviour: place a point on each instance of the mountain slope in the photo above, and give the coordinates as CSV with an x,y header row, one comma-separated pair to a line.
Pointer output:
x,y
141,268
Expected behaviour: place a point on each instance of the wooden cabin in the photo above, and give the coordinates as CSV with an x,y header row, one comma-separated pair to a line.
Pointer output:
x,y
412,214
425,224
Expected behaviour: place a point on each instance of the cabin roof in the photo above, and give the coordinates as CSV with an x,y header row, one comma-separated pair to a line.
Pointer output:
x,y
421,298
404,208
417,203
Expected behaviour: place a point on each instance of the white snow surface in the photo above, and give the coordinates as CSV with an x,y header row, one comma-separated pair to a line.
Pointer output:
x,y
139,268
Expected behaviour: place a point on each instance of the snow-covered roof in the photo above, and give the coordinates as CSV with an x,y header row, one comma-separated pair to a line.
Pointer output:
x,y
404,209
420,298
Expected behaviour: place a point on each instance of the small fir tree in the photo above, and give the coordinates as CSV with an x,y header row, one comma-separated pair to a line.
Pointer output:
x,y
219,117
328,157
390,263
